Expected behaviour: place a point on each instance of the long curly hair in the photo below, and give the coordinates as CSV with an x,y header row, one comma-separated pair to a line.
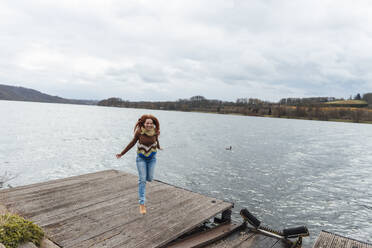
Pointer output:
x,y
141,123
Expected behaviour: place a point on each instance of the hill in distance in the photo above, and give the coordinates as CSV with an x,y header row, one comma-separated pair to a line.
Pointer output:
x,y
13,93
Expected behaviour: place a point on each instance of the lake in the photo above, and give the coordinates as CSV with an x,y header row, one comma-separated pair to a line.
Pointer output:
x,y
286,172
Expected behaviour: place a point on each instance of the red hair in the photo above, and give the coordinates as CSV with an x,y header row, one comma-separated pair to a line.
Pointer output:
x,y
141,123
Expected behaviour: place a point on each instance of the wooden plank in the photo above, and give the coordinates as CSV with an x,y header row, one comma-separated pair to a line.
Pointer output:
x,y
63,206
141,234
234,242
250,239
102,203
96,221
63,196
206,237
281,244
254,240
26,189
261,241
44,194
155,227
354,244
62,201
105,209
330,240
195,219
324,240
134,228
359,244
338,242
164,223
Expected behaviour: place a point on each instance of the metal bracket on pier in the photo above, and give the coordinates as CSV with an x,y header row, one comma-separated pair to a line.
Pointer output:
x,y
286,234
225,217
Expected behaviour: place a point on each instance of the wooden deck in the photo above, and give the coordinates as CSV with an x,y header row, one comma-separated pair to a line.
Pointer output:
x,y
101,210
330,240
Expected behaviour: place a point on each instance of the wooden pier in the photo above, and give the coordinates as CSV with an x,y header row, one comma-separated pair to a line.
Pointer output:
x,y
330,240
101,210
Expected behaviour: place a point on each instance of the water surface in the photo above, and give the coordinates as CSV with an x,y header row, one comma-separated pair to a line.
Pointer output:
x,y
286,172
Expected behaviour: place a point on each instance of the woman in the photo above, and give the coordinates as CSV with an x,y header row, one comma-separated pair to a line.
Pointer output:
x,y
146,132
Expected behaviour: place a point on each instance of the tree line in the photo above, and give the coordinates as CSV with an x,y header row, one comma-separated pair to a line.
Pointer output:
x,y
314,108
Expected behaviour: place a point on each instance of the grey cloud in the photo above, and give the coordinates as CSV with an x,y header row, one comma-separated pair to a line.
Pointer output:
x,y
150,73
268,49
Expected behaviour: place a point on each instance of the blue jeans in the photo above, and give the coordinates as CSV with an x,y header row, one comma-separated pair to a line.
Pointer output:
x,y
145,168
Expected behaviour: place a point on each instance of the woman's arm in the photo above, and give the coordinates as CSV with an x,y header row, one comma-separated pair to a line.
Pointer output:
x,y
157,143
129,146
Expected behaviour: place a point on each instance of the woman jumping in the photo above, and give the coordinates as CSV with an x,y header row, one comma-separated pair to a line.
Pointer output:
x,y
146,132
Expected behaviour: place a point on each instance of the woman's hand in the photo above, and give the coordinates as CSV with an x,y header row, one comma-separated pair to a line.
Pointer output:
x,y
118,156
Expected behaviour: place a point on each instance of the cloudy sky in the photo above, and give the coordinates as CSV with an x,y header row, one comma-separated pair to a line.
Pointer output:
x,y
166,50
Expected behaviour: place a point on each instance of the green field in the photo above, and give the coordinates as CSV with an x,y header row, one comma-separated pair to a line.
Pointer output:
x,y
350,103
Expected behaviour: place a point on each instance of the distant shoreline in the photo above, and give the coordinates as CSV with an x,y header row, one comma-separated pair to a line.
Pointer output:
x,y
239,114
211,112
320,108
261,109
282,117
